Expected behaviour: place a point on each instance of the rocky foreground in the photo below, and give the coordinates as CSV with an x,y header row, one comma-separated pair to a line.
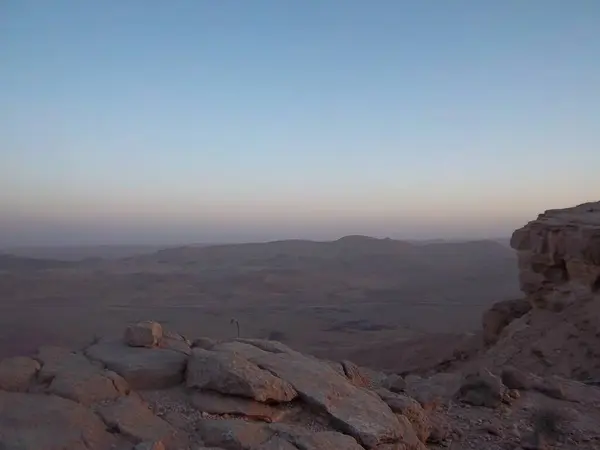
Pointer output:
x,y
154,389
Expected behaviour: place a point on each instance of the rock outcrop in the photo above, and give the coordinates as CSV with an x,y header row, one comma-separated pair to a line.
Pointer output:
x,y
559,256
241,394
500,315
144,334
559,266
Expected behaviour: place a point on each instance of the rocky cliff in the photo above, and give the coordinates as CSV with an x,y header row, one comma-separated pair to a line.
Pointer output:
x,y
559,256
559,267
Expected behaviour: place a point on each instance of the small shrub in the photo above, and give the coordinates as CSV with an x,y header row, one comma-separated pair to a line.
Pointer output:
x,y
235,322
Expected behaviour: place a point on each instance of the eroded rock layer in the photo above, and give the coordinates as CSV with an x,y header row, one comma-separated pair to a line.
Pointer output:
x,y
559,266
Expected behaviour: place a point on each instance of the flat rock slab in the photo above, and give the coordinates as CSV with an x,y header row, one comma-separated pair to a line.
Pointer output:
x,y
354,411
88,388
213,403
142,368
241,435
133,418
55,360
73,376
17,373
35,422
321,440
233,434
230,373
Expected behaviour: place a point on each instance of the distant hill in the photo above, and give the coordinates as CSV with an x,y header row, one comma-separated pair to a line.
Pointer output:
x,y
80,252
12,263
326,297
303,254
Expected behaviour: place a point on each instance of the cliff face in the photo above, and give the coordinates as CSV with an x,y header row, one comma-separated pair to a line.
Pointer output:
x,y
559,272
559,256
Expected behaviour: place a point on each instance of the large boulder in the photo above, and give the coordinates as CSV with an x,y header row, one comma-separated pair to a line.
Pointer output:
x,y
71,375
514,378
55,360
88,388
131,417
240,435
17,373
434,391
142,368
482,388
411,409
229,373
353,410
213,403
35,421
303,438
396,383
354,374
233,434
203,342
500,315
143,334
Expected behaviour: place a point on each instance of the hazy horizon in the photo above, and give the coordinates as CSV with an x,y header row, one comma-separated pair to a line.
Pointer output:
x,y
144,122
174,244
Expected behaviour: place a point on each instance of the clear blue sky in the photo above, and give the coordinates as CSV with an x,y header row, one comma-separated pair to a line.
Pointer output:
x,y
155,121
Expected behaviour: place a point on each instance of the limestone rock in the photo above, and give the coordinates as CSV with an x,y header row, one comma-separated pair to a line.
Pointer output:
x,y
203,342
88,387
560,249
17,373
353,373
269,346
440,428
233,434
396,383
34,422
514,378
434,391
482,389
240,435
142,368
409,408
71,375
143,334
56,360
409,441
500,315
176,337
155,445
177,345
306,439
353,410
229,373
214,403
132,417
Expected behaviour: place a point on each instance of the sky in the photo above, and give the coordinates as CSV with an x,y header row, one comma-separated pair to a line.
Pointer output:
x,y
146,121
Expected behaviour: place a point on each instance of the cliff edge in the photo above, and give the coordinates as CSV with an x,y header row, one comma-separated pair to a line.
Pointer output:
x,y
559,273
